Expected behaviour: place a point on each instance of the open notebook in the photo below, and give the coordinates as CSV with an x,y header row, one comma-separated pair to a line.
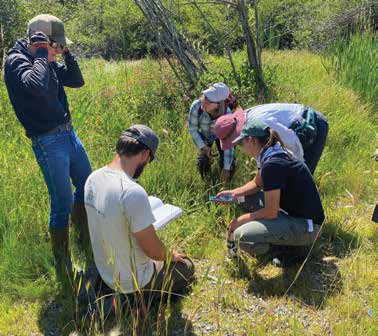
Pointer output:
x,y
163,213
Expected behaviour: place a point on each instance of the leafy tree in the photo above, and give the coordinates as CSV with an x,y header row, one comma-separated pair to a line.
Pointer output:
x,y
111,28
13,15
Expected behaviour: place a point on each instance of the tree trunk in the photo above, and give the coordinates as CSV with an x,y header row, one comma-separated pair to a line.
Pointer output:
x,y
3,51
253,51
172,41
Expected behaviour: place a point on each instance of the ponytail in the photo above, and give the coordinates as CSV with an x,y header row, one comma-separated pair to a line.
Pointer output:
x,y
272,139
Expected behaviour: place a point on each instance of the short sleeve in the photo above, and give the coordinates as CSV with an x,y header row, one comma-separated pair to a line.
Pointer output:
x,y
137,209
273,176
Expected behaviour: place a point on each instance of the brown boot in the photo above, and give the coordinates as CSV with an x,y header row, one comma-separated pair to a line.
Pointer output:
x,y
80,223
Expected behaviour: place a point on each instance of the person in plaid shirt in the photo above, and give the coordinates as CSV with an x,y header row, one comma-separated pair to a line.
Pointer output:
x,y
202,116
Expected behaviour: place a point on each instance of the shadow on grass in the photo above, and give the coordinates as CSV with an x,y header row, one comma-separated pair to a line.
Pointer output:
x,y
310,283
59,317
56,317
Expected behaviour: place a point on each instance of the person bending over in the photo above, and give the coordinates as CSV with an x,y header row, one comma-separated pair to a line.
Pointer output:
x,y
202,116
302,129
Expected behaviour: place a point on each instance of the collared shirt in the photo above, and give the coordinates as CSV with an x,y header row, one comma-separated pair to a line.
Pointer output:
x,y
201,128
298,194
280,117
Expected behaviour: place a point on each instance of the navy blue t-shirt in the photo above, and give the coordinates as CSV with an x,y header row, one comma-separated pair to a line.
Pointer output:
x,y
299,196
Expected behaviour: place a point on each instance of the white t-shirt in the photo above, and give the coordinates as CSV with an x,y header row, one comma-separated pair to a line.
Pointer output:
x,y
280,117
117,206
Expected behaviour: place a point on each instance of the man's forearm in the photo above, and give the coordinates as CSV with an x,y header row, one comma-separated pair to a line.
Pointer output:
x,y
150,243
34,78
160,253
71,73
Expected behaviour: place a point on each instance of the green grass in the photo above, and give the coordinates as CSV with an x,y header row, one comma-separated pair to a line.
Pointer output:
x,y
332,293
355,60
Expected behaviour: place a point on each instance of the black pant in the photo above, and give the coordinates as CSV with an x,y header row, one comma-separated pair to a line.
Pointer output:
x,y
172,279
96,297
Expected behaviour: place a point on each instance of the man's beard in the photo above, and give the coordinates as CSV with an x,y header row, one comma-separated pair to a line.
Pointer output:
x,y
139,170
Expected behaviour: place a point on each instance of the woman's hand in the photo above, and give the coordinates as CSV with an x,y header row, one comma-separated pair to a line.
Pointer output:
x,y
238,222
226,194
232,227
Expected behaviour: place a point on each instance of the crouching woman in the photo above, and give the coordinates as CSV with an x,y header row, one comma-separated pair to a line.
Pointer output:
x,y
288,213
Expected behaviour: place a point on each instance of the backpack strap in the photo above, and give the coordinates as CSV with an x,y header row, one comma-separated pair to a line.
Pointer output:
x,y
231,101
306,129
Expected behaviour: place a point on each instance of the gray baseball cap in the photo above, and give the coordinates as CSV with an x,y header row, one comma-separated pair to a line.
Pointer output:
x,y
217,92
147,137
51,26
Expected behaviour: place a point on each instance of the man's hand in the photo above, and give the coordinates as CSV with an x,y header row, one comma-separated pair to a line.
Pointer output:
x,y
40,40
65,52
206,150
178,257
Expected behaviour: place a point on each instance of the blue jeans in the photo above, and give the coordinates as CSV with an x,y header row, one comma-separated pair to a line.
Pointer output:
x,y
61,157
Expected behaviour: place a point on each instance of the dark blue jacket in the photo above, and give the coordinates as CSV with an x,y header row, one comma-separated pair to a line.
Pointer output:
x,y
35,88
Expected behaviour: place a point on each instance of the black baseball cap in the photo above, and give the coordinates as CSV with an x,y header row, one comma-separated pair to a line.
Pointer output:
x,y
146,136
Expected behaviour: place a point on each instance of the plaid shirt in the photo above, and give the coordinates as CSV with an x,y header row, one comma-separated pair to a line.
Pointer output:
x,y
201,128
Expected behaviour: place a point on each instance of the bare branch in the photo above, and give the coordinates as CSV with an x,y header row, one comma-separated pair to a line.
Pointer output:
x,y
219,2
220,38
258,46
253,51
170,39
3,50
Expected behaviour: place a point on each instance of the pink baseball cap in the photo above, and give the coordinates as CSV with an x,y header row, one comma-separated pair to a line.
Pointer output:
x,y
228,127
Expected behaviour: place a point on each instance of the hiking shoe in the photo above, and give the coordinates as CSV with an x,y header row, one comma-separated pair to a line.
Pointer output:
x,y
232,249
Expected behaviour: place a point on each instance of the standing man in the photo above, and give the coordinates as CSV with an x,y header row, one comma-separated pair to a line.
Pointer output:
x,y
128,254
35,83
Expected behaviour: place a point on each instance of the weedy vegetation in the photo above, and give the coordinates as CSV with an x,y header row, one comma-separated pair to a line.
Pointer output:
x,y
354,59
330,294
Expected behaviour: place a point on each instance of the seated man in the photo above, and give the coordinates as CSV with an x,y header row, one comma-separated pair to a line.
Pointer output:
x,y
128,254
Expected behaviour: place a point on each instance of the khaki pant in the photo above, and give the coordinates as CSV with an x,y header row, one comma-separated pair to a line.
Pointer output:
x,y
256,237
